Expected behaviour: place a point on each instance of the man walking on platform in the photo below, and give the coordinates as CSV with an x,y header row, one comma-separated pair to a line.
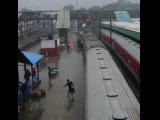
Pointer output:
x,y
70,87
27,74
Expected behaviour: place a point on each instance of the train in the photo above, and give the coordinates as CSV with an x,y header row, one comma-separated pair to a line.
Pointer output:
x,y
126,49
130,29
107,95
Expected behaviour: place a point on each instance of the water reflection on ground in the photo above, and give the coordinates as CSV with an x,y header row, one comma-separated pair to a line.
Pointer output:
x,y
69,102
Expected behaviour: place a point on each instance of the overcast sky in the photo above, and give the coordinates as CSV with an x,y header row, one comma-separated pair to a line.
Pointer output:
x,y
58,4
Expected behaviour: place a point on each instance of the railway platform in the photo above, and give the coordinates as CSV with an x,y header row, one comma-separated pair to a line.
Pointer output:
x,y
57,105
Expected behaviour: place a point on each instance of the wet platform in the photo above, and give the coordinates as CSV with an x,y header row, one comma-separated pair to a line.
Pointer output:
x,y
57,105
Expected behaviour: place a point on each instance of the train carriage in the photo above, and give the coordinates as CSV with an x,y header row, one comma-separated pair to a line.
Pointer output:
x,y
107,96
126,49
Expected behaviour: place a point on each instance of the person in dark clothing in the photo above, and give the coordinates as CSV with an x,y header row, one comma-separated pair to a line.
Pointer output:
x,y
34,82
70,87
27,74
49,72
24,91
68,46
26,77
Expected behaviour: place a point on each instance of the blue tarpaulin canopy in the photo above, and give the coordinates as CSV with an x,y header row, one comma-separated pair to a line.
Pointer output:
x,y
32,57
122,16
29,57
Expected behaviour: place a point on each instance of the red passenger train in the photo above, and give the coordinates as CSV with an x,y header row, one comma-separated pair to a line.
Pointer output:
x,y
126,49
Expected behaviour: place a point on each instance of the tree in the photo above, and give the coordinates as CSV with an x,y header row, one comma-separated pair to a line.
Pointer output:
x,y
95,8
68,7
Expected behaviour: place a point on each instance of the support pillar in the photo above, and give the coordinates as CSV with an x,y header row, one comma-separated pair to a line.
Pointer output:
x,y
56,48
24,67
37,71
32,77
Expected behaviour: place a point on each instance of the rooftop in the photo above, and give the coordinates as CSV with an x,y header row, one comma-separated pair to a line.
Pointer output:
x,y
133,25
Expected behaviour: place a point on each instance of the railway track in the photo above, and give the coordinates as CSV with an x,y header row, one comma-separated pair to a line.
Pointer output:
x,y
31,38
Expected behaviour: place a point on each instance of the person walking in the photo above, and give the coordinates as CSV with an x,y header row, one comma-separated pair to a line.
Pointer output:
x,y
68,47
34,82
49,72
70,85
27,74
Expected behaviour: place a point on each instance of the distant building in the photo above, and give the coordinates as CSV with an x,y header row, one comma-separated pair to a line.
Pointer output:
x,y
123,1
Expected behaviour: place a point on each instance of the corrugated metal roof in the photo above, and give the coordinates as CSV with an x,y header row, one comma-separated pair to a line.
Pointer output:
x,y
63,19
92,41
107,99
97,107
